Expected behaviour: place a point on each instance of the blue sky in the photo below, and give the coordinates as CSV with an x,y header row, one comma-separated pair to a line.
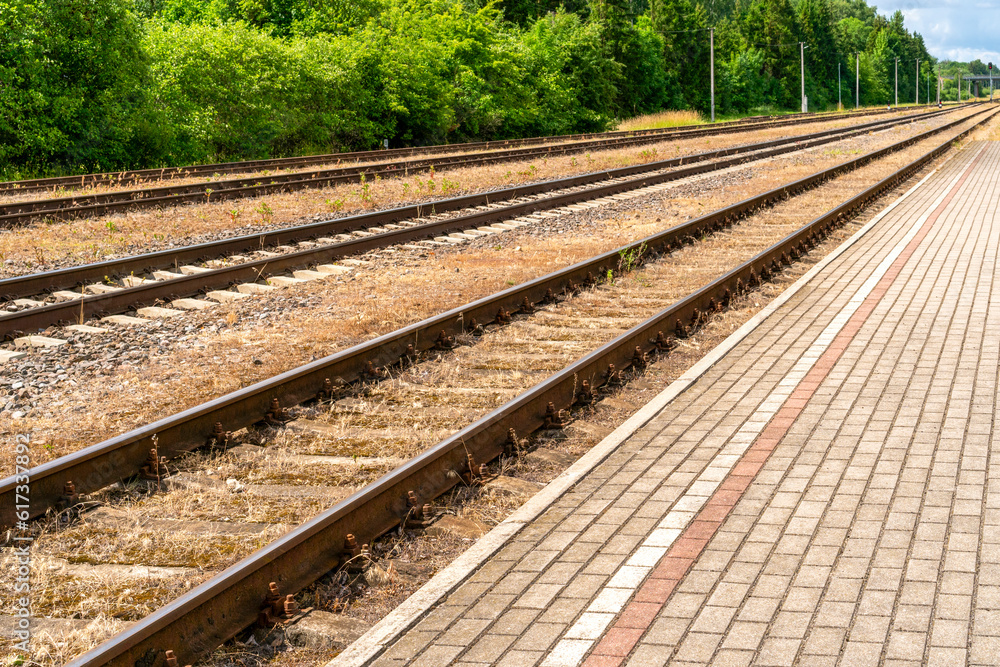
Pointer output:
x,y
952,29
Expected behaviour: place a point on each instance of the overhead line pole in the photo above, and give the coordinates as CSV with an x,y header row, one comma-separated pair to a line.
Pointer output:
x,y
802,65
916,95
857,79
711,66
897,81
840,90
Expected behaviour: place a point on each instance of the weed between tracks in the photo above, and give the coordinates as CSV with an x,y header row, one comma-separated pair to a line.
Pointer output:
x,y
661,119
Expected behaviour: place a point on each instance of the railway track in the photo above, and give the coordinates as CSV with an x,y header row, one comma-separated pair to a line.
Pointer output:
x,y
139,176
61,208
199,621
172,276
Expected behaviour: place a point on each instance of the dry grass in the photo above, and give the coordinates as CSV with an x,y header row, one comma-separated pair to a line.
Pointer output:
x,y
42,246
55,648
340,313
664,280
661,119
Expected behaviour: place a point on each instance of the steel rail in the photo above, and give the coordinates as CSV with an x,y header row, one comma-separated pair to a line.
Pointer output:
x,y
138,175
18,213
33,319
119,457
208,615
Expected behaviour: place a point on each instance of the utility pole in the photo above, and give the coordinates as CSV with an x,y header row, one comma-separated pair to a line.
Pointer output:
x,y
857,80
897,82
840,90
959,80
802,65
916,95
928,77
711,66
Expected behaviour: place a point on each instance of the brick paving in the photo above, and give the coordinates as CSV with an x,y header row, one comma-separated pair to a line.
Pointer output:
x,y
825,494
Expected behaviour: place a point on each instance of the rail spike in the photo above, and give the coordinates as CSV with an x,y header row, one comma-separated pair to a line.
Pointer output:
x,y
276,415
219,438
663,343
639,358
155,467
444,342
552,419
511,445
584,395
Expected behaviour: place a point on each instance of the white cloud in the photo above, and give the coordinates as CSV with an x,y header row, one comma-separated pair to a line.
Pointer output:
x,y
952,29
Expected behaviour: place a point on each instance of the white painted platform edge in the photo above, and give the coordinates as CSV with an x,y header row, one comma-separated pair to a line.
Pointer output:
x,y
369,645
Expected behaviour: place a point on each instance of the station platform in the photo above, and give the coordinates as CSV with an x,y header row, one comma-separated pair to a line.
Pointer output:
x,y
822,489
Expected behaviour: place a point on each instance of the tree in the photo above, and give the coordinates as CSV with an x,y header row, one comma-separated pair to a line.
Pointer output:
x,y
770,26
72,82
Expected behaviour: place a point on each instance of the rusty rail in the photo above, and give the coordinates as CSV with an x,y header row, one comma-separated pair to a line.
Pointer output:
x,y
33,319
216,610
104,463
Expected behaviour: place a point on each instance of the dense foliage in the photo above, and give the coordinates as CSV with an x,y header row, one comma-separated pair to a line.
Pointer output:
x,y
109,84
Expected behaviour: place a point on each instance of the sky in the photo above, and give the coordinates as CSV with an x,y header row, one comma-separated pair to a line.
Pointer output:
x,y
952,29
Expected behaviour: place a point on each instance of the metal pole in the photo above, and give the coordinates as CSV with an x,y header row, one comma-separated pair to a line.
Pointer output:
x,y
711,66
857,80
840,90
897,82
802,66
916,95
